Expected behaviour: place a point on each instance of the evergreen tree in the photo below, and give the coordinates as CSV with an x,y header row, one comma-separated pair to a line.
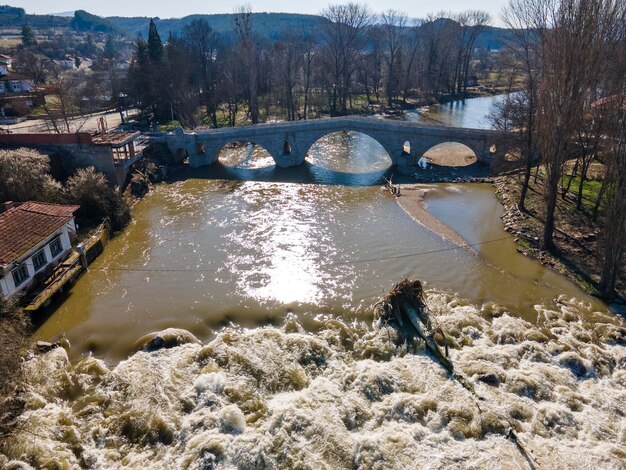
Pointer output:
x,y
110,50
155,45
28,37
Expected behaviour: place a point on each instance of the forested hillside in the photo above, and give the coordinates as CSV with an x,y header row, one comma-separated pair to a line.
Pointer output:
x,y
269,25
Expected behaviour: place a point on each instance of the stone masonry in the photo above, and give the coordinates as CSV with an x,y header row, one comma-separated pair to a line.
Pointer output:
x,y
289,142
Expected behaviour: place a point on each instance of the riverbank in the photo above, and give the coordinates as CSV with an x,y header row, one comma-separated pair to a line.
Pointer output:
x,y
576,235
15,338
413,200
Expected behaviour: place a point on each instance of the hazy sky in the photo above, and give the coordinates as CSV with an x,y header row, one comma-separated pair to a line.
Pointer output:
x,y
173,9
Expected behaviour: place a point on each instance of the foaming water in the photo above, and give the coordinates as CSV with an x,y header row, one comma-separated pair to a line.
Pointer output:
x,y
341,396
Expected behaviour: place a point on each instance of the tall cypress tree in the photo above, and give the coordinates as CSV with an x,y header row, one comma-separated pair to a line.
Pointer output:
x,y
155,45
28,37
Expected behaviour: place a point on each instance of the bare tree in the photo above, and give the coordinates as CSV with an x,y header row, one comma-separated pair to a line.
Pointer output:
x,y
614,233
344,31
577,35
472,22
439,36
309,51
412,57
61,105
249,53
289,57
521,19
204,42
393,26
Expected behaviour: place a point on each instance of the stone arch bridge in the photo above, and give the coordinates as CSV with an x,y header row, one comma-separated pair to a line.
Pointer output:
x,y
289,142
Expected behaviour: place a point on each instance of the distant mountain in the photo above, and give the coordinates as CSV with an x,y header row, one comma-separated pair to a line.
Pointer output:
x,y
83,21
493,38
12,17
66,14
268,25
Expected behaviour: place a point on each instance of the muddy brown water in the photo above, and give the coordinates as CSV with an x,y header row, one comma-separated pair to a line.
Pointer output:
x,y
246,243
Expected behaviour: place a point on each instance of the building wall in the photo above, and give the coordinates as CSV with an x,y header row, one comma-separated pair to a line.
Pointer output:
x,y
17,86
83,156
76,151
7,284
46,139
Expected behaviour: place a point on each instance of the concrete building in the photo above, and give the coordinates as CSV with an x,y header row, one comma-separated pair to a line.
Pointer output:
x,y
111,153
34,239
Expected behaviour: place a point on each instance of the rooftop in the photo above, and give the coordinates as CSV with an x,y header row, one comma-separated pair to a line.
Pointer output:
x,y
28,224
14,76
613,101
114,139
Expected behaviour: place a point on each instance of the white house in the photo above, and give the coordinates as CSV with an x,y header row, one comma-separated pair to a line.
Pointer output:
x,y
12,82
18,94
34,238
5,64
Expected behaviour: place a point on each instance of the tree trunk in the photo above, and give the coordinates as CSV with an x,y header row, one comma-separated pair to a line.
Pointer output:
x,y
548,231
522,198
569,181
596,206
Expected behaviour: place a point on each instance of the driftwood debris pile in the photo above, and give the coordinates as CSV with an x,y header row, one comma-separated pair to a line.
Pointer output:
x,y
404,310
393,189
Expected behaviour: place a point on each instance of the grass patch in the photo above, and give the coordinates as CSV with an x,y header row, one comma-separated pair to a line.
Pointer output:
x,y
169,126
591,189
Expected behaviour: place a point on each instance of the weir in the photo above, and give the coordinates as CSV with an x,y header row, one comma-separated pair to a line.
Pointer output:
x,y
289,142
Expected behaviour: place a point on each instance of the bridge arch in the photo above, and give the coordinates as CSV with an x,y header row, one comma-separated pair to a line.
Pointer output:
x,y
307,143
449,153
251,147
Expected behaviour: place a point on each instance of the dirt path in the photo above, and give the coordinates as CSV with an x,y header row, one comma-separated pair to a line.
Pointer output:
x,y
413,201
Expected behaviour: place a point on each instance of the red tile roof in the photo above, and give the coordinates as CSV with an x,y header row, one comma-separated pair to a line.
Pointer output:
x,y
27,225
614,101
14,76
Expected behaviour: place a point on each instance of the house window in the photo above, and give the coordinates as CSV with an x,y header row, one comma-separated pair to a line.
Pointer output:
x,y
56,247
16,87
39,260
20,274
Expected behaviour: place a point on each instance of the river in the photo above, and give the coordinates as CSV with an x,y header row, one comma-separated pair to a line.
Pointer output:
x,y
276,272
247,243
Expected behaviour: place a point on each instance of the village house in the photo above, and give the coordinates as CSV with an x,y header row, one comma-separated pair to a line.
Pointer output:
x,y
17,91
68,62
35,238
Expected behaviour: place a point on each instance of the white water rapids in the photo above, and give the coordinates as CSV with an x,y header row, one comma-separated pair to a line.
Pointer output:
x,y
341,397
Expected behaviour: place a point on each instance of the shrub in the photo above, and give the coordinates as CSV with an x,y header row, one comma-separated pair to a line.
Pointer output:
x,y
97,200
25,176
